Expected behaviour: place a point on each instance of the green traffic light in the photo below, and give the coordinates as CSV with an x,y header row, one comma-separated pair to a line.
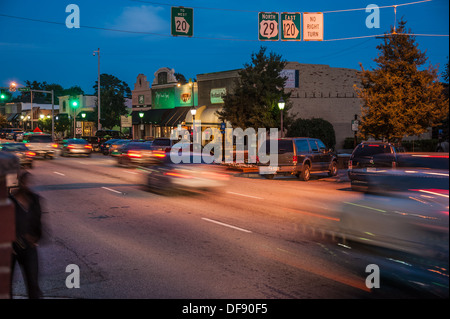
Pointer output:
x,y
2,96
75,103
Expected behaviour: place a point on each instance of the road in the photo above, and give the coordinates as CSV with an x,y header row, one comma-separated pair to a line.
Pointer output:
x,y
254,239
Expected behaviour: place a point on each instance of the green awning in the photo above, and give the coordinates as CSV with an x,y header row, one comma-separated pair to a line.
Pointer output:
x,y
150,116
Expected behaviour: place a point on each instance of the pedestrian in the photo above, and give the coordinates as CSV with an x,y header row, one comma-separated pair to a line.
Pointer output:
x,y
28,233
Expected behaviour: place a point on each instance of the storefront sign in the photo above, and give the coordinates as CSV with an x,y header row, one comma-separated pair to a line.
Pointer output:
x,y
292,78
217,95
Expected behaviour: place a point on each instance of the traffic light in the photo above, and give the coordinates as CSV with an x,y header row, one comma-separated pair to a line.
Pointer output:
x,y
4,96
74,103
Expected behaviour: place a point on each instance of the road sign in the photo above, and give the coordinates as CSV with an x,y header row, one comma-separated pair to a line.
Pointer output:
x,y
355,124
23,89
268,26
290,26
312,26
182,21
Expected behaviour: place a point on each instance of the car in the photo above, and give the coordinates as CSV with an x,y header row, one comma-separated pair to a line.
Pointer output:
x,y
75,146
41,144
169,177
300,156
162,143
105,146
115,147
369,157
9,133
137,154
21,151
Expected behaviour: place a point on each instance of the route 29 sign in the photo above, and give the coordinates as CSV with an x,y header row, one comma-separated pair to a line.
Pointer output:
x,y
268,26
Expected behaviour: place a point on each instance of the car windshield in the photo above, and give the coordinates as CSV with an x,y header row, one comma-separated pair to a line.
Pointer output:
x,y
13,147
371,149
40,139
138,146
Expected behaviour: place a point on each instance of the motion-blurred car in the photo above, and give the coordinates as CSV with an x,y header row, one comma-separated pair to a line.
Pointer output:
x,y
75,146
105,146
405,216
9,133
186,175
40,143
370,157
162,143
115,147
21,151
137,154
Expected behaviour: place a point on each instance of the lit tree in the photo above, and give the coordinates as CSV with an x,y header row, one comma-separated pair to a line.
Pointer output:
x,y
399,97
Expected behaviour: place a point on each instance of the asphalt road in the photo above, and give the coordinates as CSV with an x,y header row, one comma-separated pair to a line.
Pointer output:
x,y
254,239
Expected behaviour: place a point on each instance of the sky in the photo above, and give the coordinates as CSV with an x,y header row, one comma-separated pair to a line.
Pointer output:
x,y
36,44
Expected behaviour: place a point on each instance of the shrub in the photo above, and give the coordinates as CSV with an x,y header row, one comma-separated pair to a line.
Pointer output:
x,y
315,128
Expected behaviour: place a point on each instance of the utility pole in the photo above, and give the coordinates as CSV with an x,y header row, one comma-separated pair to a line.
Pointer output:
x,y
99,126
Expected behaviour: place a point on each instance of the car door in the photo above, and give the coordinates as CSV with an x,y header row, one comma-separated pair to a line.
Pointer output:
x,y
316,156
325,156
286,154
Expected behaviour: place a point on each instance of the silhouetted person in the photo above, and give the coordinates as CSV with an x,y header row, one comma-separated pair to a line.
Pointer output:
x,y
28,232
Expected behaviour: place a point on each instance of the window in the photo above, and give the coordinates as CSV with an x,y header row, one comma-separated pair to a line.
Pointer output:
x,y
321,145
314,147
64,106
162,78
302,146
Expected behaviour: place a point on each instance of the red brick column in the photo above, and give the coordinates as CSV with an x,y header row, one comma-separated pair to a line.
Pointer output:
x,y
8,166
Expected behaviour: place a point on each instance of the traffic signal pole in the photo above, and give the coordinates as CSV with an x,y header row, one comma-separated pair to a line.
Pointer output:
x,y
53,110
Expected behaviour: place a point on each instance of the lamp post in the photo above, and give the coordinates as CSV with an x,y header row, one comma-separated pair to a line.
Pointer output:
x,y
98,89
193,112
141,115
281,104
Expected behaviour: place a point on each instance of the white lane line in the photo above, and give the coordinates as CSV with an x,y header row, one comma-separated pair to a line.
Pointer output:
x,y
226,225
245,195
59,173
134,173
112,190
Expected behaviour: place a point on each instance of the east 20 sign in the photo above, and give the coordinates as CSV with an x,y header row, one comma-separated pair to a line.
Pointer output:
x,y
287,26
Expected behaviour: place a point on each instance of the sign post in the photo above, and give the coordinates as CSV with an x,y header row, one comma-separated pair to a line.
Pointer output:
x,y
290,26
182,21
268,26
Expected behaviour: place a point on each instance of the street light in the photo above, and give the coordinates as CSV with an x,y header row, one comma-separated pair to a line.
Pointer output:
x,y
281,105
141,115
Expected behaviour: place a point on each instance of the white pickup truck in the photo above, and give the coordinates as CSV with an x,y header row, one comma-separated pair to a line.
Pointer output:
x,y
41,144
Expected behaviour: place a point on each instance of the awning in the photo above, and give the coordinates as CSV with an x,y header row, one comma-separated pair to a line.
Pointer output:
x,y
12,117
150,116
175,116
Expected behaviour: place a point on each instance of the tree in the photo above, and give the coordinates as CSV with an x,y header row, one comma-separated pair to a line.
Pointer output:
x,y
254,102
113,106
315,128
180,78
400,99
108,81
3,121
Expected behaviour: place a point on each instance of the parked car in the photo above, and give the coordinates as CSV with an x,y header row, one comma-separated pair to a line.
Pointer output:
x,y
40,143
8,133
168,176
300,156
75,146
21,151
370,157
137,154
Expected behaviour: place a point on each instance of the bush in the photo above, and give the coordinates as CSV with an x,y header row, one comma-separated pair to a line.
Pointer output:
x,y
315,128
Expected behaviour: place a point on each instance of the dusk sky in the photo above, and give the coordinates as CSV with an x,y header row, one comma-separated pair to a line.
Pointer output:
x,y
35,43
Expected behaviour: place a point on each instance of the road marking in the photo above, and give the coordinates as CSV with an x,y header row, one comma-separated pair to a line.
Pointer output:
x,y
245,195
59,173
226,225
112,190
131,172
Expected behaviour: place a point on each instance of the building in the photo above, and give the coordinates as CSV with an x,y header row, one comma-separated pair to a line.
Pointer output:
x,y
161,107
19,114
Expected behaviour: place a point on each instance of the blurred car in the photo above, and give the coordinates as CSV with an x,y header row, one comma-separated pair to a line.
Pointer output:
x,y
370,157
21,151
9,133
162,143
40,143
137,154
115,147
105,146
405,217
186,176
75,146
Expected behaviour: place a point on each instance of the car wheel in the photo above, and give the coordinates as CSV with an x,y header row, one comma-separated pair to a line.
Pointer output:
x,y
305,173
269,176
333,169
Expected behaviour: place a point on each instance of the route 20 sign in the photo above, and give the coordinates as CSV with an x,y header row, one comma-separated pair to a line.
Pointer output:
x,y
290,26
182,21
268,26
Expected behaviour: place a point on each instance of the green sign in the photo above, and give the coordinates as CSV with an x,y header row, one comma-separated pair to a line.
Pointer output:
x,y
163,98
268,26
182,21
23,89
290,26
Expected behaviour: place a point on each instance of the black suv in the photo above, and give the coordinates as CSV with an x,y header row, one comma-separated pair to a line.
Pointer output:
x,y
369,157
300,156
